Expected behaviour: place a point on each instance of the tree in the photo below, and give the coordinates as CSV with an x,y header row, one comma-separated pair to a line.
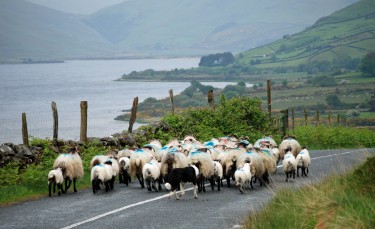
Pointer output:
x,y
368,65
333,100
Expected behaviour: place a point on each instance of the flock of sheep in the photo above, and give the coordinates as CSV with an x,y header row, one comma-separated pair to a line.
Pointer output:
x,y
189,160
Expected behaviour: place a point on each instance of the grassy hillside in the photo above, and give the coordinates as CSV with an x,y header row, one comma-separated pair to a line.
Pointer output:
x,y
343,36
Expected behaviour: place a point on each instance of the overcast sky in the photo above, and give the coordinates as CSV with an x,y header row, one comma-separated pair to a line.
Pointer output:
x,y
76,6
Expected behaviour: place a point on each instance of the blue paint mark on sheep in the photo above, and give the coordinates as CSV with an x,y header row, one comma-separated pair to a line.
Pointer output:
x,y
195,152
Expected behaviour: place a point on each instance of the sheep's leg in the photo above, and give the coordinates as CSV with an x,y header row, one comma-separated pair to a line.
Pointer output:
x,y
59,188
212,182
228,180
286,173
294,174
49,189
121,178
202,184
67,185
251,183
107,186
240,188
93,185
218,183
160,180
74,184
141,181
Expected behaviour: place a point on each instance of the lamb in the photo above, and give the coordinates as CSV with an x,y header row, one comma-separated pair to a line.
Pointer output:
x,y
173,159
289,143
205,165
124,173
243,177
71,166
289,165
151,174
55,177
101,174
138,159
218,174
178,177
303,162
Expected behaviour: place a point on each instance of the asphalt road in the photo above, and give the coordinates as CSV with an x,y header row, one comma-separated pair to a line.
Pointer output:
x,y
133,207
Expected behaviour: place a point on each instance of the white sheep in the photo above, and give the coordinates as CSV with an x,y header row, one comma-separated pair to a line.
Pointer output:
x,y
138,159
243,177
172,159
55,178
98,159
151,174
205,165
269,162
72,168
257,167
218,174
125,153
289,144
124,174
303,162
154,148
289,165
101,174
231,163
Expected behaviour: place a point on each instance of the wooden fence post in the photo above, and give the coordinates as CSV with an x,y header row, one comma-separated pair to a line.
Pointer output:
x,y
269,97
171,99
285,120
293,121
133,115
25,133
329,119
210,98
305,117
338,119
83,134
55,121
317,117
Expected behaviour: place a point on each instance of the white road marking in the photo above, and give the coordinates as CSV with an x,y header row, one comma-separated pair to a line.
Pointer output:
x,y
165,196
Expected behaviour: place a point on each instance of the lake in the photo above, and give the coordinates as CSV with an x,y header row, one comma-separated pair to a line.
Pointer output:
x,y
31,88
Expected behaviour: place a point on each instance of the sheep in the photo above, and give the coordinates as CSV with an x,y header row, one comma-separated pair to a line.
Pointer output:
x,y
101,174
243,177
138,159
257,168
204,163
178,177
124,173
266,140
125,153
289,165
231,163
151,174
303,162
218,174
269,162
173,159
55,177
71,166
98,159
289,143
154,148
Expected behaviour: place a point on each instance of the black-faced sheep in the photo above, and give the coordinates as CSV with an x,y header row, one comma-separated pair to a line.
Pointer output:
x,y
177,179
72,168
205,165
55,178
151,174
172,159
138,159
289,143
101,174
124,173
303,162
289,165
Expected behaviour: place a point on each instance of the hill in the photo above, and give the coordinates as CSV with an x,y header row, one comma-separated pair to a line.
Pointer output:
x,y
153,28
189,27
30,31
342,38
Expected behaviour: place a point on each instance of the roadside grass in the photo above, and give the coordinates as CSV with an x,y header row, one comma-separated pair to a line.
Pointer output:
x,y
337,202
